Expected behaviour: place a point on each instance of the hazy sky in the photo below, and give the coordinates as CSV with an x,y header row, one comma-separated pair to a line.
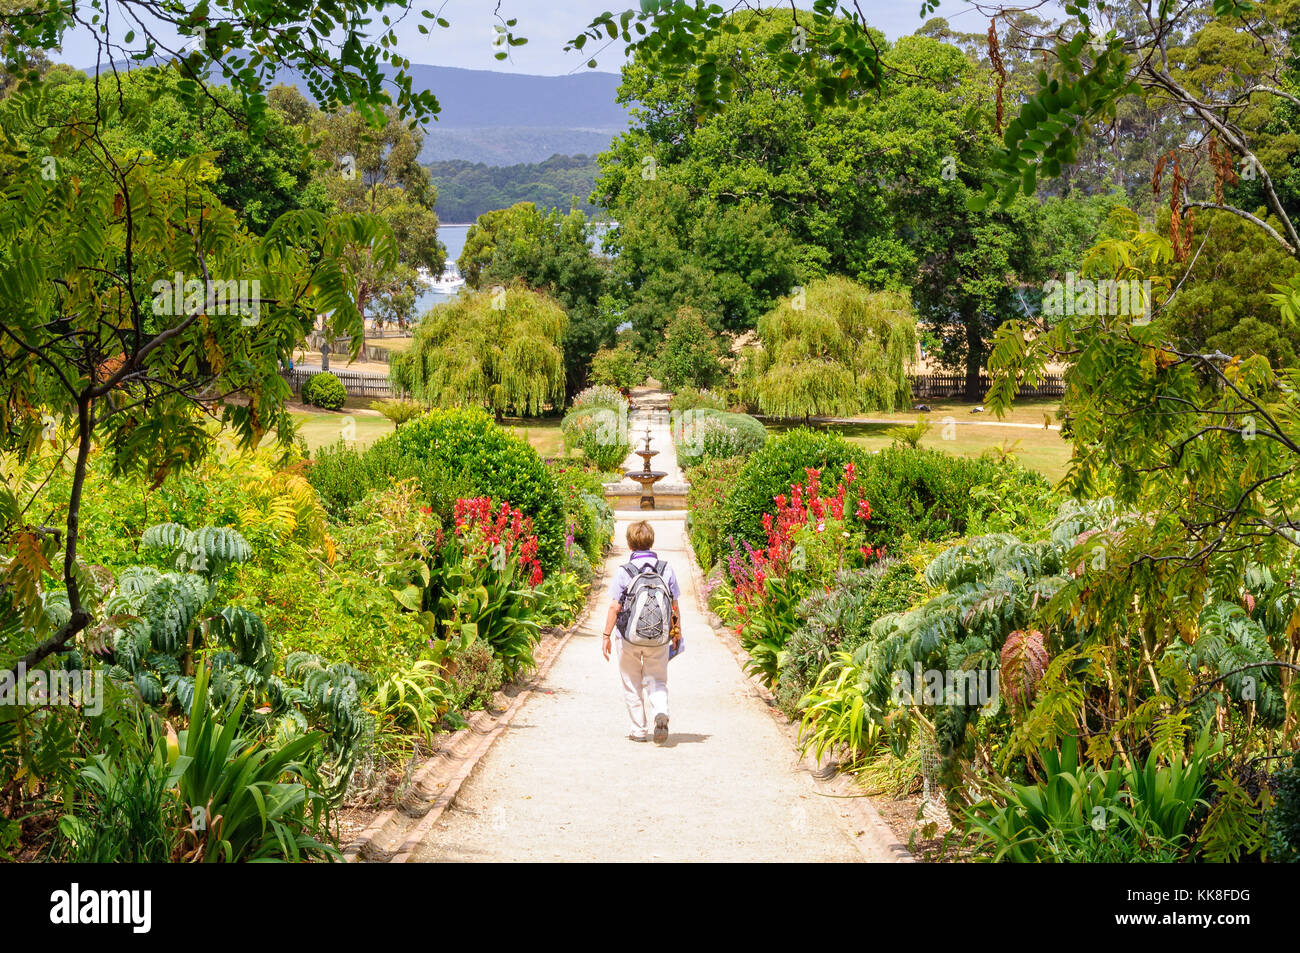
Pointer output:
x,y
548,24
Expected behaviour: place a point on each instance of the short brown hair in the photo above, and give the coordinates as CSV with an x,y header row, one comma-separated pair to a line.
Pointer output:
x,y
640,536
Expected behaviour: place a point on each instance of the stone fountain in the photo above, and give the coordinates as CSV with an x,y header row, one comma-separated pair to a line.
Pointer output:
x,y
645,476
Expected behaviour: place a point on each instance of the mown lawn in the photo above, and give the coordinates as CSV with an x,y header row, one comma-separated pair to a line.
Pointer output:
x,y
322,428
1022,412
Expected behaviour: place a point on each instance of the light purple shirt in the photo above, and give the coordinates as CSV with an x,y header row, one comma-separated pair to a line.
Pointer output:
x,y
619,584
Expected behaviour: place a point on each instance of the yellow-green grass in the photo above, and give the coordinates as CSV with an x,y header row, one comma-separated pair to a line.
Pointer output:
x,y
1021,412
544,434
389,344
324,428
1036,449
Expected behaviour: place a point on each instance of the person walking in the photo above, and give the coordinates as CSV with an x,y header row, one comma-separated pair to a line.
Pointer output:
x,y
644,611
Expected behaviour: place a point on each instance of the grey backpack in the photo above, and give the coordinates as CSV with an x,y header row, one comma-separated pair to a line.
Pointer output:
x,y
645,616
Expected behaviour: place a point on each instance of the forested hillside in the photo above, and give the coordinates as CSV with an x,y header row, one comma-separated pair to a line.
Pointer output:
x,y
468,189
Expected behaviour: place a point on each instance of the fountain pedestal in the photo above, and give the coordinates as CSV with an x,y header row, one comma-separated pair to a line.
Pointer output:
x,y
645,476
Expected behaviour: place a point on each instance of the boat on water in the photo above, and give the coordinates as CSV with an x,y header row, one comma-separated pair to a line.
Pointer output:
x,y
449,282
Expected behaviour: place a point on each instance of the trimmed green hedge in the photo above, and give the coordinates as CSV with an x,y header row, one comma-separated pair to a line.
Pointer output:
x,y
453,453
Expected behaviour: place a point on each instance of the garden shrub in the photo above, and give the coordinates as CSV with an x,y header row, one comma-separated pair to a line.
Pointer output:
x,y
929,494
490,462
691,398
324,390
914,493
597,425
476,674
454,454
589,519
711,485
705,432
771,470
344,475
599,395
840,619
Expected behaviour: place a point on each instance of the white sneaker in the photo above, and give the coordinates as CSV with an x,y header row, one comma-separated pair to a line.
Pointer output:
x,y
634,736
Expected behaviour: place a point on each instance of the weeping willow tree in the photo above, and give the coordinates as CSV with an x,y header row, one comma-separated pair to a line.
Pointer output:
x,y
833,349
498,349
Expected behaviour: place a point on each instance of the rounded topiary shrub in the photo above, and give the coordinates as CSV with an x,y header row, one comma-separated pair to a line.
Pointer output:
x,y
324,390
704,432
487,461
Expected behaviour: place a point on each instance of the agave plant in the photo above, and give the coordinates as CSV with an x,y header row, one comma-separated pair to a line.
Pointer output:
x,y
247,800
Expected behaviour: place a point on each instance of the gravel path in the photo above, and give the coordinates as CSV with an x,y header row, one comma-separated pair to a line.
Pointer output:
x,y
564,782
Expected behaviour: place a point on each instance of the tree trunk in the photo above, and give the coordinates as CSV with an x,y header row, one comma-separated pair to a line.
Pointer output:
x,y
79,617
974,359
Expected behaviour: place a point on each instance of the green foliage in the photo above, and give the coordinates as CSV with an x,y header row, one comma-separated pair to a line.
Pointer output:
x,y
909,435
469,190
712,482
249,811
499,349
928,494
772,469
692,398
835,716
1284,819
382,176
916,494
835,349
691,353
324,390
590,520
702,433
551,253
482,459
597,425
397,410
1083,813
476,674
839,619
122,813
620,367
411,701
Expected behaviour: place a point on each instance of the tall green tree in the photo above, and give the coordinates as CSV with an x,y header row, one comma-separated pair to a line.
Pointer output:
x,y
834,348
692,353
498,349
554,253
131,339
376,171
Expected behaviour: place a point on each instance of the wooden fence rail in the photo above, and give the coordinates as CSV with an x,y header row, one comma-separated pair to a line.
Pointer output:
x,y
356,383
947,386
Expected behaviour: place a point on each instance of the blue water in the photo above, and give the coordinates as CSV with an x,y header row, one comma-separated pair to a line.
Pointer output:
x,y
453,236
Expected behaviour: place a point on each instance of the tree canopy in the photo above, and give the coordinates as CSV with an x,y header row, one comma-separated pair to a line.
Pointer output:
x,y
497,349
834,348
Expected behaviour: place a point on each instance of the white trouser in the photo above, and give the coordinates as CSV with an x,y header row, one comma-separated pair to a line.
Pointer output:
x,y
644,671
